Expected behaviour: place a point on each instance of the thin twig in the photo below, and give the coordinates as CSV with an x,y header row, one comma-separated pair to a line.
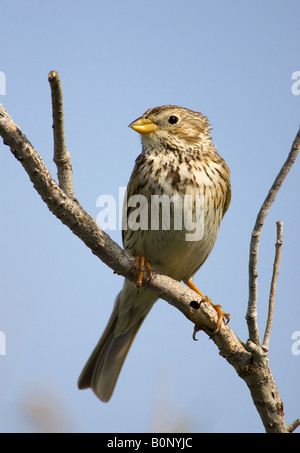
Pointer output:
x,y
290,428
61,157
251,315
276,264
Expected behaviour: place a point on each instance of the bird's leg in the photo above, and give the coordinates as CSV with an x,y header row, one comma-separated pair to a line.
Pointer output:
x,y
141,262
218,308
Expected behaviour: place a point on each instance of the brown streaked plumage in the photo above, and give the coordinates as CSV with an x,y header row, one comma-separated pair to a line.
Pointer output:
x,y
178,159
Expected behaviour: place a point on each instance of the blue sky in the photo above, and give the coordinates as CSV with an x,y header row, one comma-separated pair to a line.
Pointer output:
x,y
233,61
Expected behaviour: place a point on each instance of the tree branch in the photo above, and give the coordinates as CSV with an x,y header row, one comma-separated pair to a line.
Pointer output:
x,y
251,315
61,158
278,245
62,203
293,426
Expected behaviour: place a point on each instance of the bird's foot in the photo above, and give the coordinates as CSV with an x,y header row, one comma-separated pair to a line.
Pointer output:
x,y
221,314
141,263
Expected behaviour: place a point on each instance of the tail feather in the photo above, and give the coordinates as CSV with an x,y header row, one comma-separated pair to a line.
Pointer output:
x,y
102,369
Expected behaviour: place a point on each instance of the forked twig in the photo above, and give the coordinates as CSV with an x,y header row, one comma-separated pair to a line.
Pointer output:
x,y
251,315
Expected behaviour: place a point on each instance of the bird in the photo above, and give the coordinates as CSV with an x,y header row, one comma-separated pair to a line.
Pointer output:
x,y
178,162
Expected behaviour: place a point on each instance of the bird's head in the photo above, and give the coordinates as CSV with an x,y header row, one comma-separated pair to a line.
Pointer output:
x,y
173,126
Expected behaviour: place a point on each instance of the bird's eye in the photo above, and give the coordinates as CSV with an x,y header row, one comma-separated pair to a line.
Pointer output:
x,y
173,119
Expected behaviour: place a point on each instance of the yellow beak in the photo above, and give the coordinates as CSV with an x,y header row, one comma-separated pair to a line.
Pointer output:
x,y
143,126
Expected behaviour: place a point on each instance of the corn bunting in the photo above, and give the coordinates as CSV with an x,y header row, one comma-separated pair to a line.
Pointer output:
x,y
179,164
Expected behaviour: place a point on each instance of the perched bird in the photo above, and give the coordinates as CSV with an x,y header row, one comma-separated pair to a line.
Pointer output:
x,y
180,162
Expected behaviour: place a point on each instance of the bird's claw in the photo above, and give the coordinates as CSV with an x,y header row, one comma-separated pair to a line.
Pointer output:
x,y
221,314
140,263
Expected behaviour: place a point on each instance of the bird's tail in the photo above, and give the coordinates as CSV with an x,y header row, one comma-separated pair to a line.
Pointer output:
x,y
102,369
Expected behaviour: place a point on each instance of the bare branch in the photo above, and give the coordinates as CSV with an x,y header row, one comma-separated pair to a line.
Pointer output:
x,y
293,426
278,245
61,158
251,315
